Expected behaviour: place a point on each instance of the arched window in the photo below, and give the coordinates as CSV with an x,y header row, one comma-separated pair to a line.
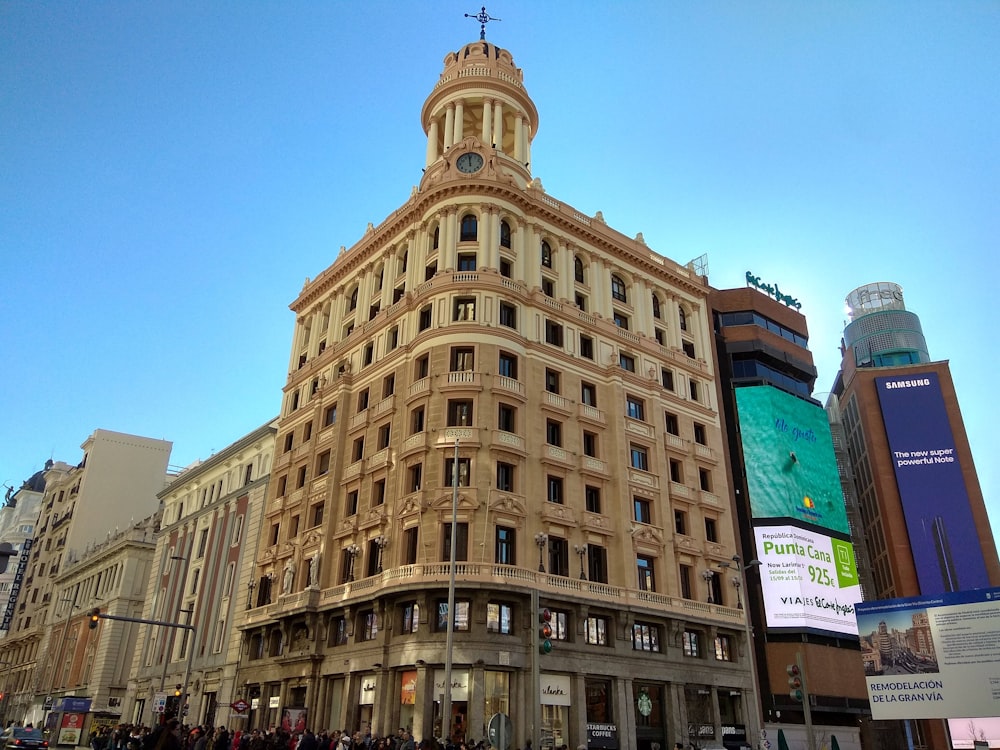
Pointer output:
x,y
437,238
682,318
546,255
656,307
578,270
504,234
470,229
352,302
618,289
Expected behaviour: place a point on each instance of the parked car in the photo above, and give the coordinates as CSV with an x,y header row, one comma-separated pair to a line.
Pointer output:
x,y
24,738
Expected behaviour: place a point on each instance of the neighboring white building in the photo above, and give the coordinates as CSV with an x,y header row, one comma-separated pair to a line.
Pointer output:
x,y
114,485
18,517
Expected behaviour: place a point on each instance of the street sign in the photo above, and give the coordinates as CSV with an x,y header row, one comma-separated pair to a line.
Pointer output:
x,y
159,703
239,706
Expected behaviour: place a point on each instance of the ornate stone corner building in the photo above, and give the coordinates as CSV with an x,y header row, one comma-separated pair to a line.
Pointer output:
x,y
564,373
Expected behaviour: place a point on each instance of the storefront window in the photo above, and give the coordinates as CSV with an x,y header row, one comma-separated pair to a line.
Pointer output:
x,y
497,694
599,702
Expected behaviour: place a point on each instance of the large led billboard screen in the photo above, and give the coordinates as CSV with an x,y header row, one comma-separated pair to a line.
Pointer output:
x,y
788,454
807,579
932,657
943,538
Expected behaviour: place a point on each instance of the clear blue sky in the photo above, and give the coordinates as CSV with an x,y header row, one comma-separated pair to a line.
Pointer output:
x,y
171,172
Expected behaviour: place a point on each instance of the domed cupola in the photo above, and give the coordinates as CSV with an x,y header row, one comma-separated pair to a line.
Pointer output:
x,y
480,94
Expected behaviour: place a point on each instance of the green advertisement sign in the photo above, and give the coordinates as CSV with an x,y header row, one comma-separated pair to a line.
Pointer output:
x,y
788,455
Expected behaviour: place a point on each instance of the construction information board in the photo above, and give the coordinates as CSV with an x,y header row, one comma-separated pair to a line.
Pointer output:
x,y
932,657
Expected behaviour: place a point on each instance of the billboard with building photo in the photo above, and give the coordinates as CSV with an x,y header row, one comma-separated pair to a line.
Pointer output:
x,y
932,657
788,454
943,536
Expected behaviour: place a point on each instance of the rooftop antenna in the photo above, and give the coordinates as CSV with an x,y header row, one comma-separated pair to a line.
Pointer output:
x,y
484,18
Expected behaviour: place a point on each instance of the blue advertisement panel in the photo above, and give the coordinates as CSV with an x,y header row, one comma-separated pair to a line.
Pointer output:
x,y
790,464
932,657
943,536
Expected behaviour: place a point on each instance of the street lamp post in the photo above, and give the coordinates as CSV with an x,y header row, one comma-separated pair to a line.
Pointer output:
x,y
581,550
739,582
381,542
353,551
541,539
707,576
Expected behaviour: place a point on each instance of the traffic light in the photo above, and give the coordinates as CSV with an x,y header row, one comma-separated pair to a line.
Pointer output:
x,y
177,691
796,689
95,617
545,631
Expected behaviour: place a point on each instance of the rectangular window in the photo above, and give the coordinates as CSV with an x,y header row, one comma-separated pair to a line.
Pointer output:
x,y
508,315
691,643
202,542
676,471
693,389
467,262
363,400
558,556
289,441
351,506
548,288
461,542
699,434
555,490
590,444
424,321
410,537
673,426
586,347
227,581
499,618
639,457
643,510
316,517
505,546
621,320
711,531
422,367
507,365
667,378
705,479
323,463
459,413
369,626
597,563
463,359
680,522
338,632
330,415
369,354
551,381
463,472
460,623
684,576
688,348
660,336
644,567
417,420
505,477
378,493
592,496
645,637
553,432
507,418
416,477
588,394
465,309
388,386
553,333
627,362
237,536
358,452
411,617
723,651
596,631
635,408
301,479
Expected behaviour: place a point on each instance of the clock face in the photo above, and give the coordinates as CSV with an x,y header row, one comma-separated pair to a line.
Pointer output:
x,y
469,163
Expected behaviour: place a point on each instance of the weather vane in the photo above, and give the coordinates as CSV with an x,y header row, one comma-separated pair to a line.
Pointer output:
x,y
484,18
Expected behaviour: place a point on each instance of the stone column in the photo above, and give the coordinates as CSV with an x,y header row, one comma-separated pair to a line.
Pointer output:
x,y
519,137
449,126
432,142
459,121
487,121
498,125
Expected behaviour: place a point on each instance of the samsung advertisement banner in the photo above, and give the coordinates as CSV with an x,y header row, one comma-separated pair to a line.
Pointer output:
x,y
808,580
942,531
932,657
788,453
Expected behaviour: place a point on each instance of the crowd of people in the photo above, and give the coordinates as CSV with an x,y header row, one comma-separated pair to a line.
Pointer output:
x,y
173,735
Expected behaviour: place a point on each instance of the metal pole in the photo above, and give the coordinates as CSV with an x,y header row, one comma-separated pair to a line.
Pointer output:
x,y
536,688
450,639
810,737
